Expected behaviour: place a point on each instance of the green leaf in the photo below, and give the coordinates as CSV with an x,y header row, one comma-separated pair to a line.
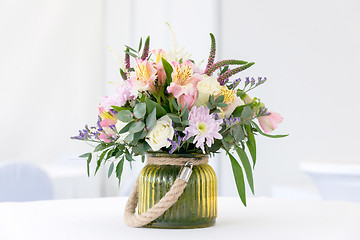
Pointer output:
x,y
267,135
211,99
140,44
131,54
123,75
119,153
238,133
175,105
126,128
137,127
239,177
246,115
88,164
168,70
137,137
209,105
124,116
100,160
129,158
151,120
140,110
111,169
143,134
141,148
238,110
131,48
118,109
221,105
129,138
174,117
247,167
185,122
101,147
119,169
85,155
150,105
251,144
185,114
220,99
228,138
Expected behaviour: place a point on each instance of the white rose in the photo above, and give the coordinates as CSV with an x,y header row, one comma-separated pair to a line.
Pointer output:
x,y
157,137
206,87
119,125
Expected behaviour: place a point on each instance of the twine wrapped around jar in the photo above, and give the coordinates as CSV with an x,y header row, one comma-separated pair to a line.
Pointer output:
x,y
168,200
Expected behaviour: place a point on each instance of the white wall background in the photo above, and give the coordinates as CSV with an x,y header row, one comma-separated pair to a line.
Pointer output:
x,y
54,69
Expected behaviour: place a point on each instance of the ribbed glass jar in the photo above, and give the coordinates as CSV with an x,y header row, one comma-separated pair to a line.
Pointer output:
x,y
195,208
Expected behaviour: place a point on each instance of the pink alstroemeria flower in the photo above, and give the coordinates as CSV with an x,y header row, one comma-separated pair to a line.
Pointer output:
x,y
123,93
159,54
144,76
183,79
107,118
269,123
188,99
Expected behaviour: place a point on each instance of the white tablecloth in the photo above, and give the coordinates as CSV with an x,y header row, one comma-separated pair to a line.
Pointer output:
x,y
102,218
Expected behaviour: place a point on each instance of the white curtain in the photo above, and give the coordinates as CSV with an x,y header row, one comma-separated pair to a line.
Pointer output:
x,y
51,76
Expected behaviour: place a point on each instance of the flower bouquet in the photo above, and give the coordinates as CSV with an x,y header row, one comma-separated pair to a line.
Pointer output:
x,y
168,106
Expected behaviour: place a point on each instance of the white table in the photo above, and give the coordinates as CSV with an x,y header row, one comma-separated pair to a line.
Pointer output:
x,y
102,218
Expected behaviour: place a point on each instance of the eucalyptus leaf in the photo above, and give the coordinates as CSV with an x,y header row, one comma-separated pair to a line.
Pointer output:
x,y
124,116
136,127
140,110
228,138
126,128
151,120
247,167
129,138
238,133
137,137
246,115
143,134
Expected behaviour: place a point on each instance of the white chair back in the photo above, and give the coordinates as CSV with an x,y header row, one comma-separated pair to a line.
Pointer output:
x,y
20,182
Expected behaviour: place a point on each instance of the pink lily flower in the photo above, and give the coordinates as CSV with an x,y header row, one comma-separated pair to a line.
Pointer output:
x,y
270,122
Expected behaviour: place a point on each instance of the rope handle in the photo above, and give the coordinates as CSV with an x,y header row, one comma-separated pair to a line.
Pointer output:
x,y
171,197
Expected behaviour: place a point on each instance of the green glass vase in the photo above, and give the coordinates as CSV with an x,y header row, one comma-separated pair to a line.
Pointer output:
x,y
195,208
